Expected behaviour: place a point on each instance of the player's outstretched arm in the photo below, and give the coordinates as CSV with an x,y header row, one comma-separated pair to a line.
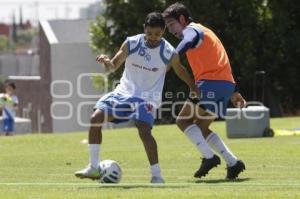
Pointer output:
x,y
114,63
183,74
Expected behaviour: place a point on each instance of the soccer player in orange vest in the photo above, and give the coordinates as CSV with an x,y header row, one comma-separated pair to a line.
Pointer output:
x,y
212,72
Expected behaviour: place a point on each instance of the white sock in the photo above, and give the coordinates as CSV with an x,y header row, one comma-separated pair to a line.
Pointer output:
x,y
94,154
219,146
194,133
155,170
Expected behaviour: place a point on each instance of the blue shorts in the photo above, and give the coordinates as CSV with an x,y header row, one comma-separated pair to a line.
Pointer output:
x,y
215,95
124,108
8,125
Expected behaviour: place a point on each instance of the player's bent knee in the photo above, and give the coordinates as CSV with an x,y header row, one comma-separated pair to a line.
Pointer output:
x,y
143,126
97,118
144,130
183,123
145,136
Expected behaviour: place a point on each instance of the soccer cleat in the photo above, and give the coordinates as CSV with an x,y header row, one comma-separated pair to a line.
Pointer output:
x,y
207,165
157,180
88,172
234,171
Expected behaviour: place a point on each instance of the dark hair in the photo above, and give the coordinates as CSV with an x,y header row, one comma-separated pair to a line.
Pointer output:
x,y
175,10
10,84
155,19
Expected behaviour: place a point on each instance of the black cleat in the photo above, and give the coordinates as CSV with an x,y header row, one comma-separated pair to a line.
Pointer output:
x,y
207,165
234,171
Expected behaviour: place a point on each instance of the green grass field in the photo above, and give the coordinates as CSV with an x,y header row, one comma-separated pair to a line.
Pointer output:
x,y
41,166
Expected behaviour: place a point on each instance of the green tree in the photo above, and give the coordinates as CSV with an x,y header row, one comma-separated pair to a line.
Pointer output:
x,y
3,43
122,18
281,50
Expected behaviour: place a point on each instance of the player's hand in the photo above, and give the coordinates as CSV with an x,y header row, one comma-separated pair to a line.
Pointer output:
x,y
194,92
103,59
237,100
106,61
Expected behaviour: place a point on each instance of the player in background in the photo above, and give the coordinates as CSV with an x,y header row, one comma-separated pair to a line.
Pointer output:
x,y
147,58
9,108
212,72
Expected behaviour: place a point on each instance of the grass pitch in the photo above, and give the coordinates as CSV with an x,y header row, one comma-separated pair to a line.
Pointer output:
x,y
41,166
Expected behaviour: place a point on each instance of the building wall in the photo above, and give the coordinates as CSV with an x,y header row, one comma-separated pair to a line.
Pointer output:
x,y
8,65
19,65
31,103
4,29
72,103
45,73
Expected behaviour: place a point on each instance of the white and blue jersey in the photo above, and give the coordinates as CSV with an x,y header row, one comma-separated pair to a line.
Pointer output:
x,y
9,114
141,85
145,70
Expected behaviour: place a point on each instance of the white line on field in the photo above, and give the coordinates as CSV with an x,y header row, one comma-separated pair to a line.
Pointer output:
x,y
145,184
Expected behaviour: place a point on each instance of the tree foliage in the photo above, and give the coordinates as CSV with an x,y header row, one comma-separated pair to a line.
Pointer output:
x,y
3,43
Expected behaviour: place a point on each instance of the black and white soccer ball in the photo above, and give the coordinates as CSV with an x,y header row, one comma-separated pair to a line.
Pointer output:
x,y
110,171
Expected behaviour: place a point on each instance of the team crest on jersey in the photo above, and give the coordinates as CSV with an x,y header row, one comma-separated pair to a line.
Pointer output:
x,y
168,51
143,52
147,57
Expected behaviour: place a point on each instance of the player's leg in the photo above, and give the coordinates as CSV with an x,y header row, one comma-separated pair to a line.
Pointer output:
x,y
148,140
185,122
234,166
94,139
207,163
215,141
223,91
150,146
102,113
144,119
95,134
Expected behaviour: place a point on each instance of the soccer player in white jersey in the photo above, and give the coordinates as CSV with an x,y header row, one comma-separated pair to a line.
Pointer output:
x,y
147,58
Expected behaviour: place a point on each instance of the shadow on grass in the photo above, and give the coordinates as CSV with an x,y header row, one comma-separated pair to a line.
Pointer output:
x,y
163,186
223,181
135,186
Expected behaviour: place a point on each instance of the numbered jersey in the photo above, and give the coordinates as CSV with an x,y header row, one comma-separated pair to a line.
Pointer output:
x,y
145,69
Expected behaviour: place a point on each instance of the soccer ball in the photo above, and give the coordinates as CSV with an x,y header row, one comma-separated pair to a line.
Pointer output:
x,y
110,171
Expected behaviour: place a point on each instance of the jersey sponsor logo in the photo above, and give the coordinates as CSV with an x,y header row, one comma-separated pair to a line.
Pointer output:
x,y
145,68
154,69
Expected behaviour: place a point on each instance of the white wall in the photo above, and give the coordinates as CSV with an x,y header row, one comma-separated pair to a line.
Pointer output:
x,y
19,65
69,61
